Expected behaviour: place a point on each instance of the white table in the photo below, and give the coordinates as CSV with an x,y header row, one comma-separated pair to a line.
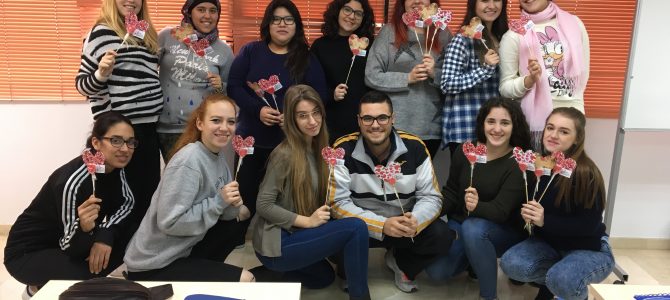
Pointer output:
x,y
241,290
624,291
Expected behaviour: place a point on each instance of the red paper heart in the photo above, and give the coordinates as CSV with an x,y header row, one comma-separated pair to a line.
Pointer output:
x,y
523,159
388,173
268,85
469,151
132,23
331,155
519,26
410,17
558,157
480,150
91,160
200,47
241,145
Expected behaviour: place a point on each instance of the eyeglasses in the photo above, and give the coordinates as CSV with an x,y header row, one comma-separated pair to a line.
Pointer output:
x,y
369,120
358,14
316,114
288,20
118,142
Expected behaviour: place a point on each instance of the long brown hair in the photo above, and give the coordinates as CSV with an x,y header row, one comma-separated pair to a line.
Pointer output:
x,y
112,18
191,133
401,29
305,200
589,186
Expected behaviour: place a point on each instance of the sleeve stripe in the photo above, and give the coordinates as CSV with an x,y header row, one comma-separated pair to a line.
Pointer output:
x,y
127,205
69,215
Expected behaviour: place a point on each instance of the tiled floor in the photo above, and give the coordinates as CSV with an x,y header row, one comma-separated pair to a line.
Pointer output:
x,y
643,266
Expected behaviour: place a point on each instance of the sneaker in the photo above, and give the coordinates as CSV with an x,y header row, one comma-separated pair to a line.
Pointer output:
x,y
28,293
401,281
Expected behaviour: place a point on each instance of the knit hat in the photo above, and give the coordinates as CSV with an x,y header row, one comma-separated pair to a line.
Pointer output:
x,y
189,5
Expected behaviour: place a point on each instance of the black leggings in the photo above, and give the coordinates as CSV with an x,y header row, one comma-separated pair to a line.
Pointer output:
x,y
38,267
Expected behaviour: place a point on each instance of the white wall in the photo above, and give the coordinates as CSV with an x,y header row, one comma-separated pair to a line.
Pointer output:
x,y
38,138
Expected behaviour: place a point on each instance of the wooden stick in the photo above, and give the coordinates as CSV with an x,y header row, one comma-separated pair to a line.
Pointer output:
x,y
350,66
546,187
330,171
239,163
418,41
400,204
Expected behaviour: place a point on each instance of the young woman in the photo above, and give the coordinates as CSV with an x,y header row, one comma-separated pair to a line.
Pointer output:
x,y
123,76
282,51
397,66
192,223
68,232
292,231
555,71
341,19
470,74
569,249
483,212
186,78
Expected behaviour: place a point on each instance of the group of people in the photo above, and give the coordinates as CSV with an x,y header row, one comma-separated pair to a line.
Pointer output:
x,y
395,106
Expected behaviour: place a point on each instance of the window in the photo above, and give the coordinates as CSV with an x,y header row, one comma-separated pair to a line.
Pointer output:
x,y
39,60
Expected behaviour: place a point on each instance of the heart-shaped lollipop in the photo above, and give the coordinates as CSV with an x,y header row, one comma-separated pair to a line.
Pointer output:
x,y
358,44
243,146
525,160
521,25
92,160
469,151
388,173
331,155
134,26
270,85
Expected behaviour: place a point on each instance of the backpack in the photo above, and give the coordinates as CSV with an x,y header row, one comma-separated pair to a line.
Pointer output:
x,y
107,288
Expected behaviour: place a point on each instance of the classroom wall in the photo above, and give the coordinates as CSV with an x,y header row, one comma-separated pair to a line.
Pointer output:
x,y
39,137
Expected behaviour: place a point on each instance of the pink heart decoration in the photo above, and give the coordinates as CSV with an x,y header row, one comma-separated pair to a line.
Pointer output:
x,y
469,151
240,145
410,18
523,159
91,160
558,157
519,26
133,24
569,164
357,44
480,150
200,47
331,155
269,84
388,173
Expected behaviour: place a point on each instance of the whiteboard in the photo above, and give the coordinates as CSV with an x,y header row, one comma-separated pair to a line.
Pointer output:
x,y
646,103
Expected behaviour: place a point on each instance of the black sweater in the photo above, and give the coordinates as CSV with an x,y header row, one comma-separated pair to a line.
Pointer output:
x,y
51,219
563,229
335,55
499,184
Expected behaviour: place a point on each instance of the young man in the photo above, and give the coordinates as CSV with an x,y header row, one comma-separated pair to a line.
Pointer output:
x,y
413,239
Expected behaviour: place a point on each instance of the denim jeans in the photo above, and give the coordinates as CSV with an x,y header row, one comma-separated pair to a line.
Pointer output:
x,y
480,242
304,252
567,274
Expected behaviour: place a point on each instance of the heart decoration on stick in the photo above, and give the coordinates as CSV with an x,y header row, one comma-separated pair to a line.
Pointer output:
x,y
134,27
271,85
95,163
474,30
526,161
521,26
258,91
388,174
242,147
564,167
332,157
427,14
474,155
357,46
441,19
184,33
412,20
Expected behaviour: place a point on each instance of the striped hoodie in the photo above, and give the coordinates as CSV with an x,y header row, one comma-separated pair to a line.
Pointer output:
x,y
357,192
51,220
133,88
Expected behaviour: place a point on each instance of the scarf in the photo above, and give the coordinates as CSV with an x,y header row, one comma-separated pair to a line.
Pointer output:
x,y
537,103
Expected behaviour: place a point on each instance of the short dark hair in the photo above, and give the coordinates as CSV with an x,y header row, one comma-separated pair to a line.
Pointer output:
x,y
520,130
330,26
375,97
103,122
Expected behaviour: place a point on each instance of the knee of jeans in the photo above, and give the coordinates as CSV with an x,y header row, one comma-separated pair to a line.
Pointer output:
x,y
565,285
358,227
515,267
441,269
473,228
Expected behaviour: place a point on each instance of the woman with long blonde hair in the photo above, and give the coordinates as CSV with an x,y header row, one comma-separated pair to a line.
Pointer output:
x,y
196,212
120,73
292,231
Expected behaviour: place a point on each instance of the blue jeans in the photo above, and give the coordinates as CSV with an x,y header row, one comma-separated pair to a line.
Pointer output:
x,y
480,242
567,274
304,252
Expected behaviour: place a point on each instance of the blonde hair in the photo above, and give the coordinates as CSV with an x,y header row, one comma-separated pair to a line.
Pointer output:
x,y
191,132
305,200
112,18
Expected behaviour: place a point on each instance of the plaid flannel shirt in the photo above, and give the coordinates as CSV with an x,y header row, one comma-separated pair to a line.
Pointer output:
x,y
467,84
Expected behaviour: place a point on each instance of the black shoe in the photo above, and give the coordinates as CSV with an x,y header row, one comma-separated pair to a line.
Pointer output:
x,y
264,274
516,282
471,274
544,293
